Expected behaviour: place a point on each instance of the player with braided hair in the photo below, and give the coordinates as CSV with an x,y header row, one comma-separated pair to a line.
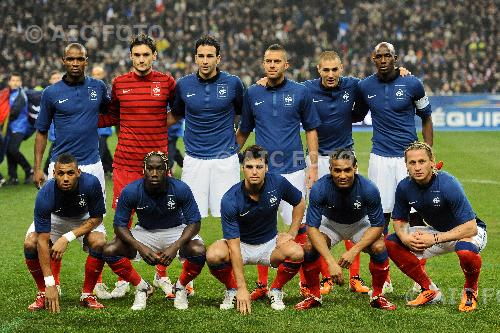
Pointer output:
x,y
452,226
168,225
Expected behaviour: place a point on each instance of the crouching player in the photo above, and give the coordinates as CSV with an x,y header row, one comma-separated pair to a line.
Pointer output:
x,y
452,226
250,229
67,207
346,206
168,224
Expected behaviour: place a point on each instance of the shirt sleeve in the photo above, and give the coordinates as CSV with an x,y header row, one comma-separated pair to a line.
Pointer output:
x,y
178,106
420,100
46,112
360,108
44,206
189,207
308,114
458,202
127,202
374,207
96,204
112,116
229,219
238,99
106,100
171,92
401,209
290,193
247,122
315,209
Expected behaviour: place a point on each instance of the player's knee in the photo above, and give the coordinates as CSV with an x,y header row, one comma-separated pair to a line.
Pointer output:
x,y
217,253
96,240
378,247
109,249
30,244
296,253
194,249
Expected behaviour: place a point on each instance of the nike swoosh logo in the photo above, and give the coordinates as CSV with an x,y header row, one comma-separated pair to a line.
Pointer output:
x,y
189,95
138,208
411,203
258,103
62,100
317,100
244,213
371,96
126,90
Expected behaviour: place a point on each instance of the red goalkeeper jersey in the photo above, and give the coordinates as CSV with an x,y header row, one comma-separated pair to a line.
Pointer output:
x,y
139,106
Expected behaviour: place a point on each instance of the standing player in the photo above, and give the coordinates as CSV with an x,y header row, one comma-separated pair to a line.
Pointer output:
x,y
453,226
69,206
276,112
393,100
345,205
169,222
139,102
209,100
249,226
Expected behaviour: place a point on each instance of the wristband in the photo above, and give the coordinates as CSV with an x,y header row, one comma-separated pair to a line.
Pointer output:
x,y
70,236
49,281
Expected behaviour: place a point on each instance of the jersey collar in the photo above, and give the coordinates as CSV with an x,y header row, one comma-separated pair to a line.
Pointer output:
x,y
338,87
211,80
72,84
282,84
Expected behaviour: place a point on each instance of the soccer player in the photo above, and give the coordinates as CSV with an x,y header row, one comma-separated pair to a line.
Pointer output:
x,y
209,100
169,222
139,102
393,100
249,226
72,105
67,207
453,226
276,112
345,205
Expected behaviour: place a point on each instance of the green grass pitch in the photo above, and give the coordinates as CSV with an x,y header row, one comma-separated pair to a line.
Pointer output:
x,y
473,157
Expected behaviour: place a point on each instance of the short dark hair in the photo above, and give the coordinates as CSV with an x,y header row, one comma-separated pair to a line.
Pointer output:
x,y
75,46
160,154
209,41
344,154
143,39
66,158
254,152
276,47
14,74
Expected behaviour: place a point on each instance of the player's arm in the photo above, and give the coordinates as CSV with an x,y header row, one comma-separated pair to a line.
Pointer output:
x,y
297,217
51,294
188,233
178,107
112,117
423,109
172,119
312,148
242,294
40,144
428,130
247,123
83,229
402,229
465,230
369,237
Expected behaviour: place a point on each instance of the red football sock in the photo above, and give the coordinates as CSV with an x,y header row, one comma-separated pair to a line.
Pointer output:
x,y
161,270
286,271
302,276
93,268
408,263
190,270
311,273
354,268
36,272
471,266
123,268
263,274
423,262
99,278
325,272
224,273
55,267
379,273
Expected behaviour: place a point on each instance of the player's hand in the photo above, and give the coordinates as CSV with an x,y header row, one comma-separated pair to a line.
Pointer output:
x,y
347,258
424,240
148,255
312,176
243,302
58,248
283,237
403,71
411,242
52,299
336,273
168,255
38,178
262,81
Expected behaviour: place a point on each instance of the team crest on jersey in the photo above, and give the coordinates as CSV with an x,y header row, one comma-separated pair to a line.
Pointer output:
x,y
92,94
345,97
288,99
156,89
400,93
170,203
436,201
82,202
222,90
357,204
273,200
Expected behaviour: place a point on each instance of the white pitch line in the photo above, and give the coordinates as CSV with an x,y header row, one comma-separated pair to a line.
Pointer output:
x,y
480,181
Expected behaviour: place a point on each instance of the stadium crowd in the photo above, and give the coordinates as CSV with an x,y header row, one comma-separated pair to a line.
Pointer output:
x,y
451,45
